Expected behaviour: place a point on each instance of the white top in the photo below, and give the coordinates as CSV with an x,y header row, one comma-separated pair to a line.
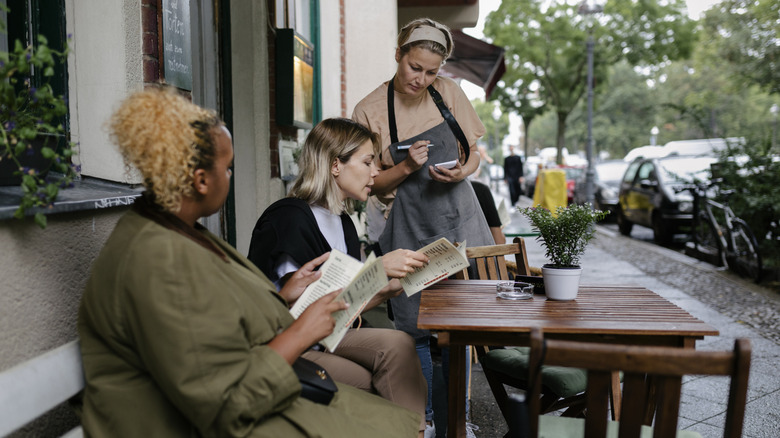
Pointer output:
x,y
330,226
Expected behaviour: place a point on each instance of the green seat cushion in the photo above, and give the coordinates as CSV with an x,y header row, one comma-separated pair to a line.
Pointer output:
x,y
551,426
513,361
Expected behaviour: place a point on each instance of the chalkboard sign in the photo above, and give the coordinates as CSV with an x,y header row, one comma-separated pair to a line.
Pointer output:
x,y
177,49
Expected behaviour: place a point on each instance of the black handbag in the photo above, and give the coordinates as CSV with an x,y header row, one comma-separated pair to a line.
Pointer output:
x,y
316,383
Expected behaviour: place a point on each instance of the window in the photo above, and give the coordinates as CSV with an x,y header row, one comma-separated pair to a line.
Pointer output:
x,y
26,20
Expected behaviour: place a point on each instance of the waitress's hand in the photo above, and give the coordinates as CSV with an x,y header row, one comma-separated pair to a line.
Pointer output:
x,y
441,174
296,283
418,155
400,262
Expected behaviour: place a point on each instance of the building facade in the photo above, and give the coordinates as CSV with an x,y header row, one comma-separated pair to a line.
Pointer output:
x,y
120,46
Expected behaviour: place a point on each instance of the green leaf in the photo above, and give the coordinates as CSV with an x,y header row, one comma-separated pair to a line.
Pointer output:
x,y
47,152
52,190
40,219
29,182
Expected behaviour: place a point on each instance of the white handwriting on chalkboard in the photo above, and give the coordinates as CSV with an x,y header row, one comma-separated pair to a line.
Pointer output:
x,y
178,67
114,202
172,21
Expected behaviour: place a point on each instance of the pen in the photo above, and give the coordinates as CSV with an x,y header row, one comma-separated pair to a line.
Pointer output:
x,y
407,146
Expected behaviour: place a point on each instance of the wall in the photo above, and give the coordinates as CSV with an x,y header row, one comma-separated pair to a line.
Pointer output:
x,y
331,78
255,189
371,33
42,277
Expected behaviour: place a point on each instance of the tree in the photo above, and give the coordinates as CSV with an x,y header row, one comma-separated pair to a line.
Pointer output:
x,y
496,128
526,104
545,42
746,33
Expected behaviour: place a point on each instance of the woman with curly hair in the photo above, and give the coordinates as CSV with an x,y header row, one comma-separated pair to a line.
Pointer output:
x,y
180,334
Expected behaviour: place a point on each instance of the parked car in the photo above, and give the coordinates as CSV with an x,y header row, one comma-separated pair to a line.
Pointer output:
x,y
606,186
650,194
572,174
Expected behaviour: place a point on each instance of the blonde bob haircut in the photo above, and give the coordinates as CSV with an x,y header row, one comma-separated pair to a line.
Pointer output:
x,y
431,46
330,140
166,137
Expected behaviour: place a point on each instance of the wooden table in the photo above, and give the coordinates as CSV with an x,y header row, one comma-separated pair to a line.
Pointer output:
x,y
467,312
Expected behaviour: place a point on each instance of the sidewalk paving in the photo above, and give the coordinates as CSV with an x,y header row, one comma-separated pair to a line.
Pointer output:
x,y
703,398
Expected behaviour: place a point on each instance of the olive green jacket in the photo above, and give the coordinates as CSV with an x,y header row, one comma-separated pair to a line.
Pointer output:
x,y
173,339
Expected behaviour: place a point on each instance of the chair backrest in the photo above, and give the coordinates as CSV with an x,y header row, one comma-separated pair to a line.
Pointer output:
x,y
663,367
491,263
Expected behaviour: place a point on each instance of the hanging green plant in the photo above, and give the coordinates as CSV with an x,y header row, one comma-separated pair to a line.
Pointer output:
x,y
35,150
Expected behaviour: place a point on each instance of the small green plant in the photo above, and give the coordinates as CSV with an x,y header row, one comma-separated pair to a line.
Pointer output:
x,y
565,233
28,113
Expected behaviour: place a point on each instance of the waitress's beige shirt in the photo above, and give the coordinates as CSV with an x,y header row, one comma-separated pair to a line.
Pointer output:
x,y
414,115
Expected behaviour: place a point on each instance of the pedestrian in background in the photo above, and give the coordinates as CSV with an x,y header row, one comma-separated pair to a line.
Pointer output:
x,y
513,174
424,121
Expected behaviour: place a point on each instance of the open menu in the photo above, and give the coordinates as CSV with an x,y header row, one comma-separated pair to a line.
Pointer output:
x,y
360,281
445,259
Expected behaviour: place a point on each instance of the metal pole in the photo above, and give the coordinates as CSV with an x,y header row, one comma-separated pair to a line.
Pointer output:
x,y
589,174
774,110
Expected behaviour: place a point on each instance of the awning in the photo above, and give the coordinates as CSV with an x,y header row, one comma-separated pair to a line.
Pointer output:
x,y
476,61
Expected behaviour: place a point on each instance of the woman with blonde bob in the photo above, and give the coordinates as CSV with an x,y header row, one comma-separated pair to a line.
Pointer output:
x,y
181,335
336,168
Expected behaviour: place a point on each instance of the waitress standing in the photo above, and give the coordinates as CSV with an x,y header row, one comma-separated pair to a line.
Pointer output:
x,y
428,132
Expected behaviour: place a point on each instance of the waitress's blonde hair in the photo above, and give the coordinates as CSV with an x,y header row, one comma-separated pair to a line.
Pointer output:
x,y
166,137
432,46
330,140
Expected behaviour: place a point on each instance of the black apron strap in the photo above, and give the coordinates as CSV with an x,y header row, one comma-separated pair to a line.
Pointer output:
x,y
445,112
391,113
454,126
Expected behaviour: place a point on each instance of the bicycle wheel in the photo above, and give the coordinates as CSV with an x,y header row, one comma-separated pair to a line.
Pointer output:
x,y
746,260
707,240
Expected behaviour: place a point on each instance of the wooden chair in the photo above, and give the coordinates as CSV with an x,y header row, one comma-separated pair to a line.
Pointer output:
x,y
490,260
563,386
663,366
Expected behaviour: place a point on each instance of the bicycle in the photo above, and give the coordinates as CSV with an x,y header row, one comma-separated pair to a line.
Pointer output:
x,y
734,244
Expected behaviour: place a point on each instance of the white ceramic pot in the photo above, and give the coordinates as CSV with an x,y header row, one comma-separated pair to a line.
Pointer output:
x,y
561,284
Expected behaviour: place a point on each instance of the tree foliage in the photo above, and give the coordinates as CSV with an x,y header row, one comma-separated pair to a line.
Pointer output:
x,y
545,43
496,128
746,34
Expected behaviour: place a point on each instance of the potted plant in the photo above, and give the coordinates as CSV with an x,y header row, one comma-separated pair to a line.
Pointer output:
x,y
34,148
564,234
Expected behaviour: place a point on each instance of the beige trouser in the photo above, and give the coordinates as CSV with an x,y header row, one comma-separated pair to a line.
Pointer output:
x,y
380,361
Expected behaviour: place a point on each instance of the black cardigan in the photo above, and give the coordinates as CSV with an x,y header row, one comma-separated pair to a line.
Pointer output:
x,y
288,226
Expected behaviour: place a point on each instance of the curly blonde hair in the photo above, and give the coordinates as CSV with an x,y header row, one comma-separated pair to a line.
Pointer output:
x,y
166,137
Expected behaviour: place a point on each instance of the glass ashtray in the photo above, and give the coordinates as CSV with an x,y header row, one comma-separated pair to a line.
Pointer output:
x,y
514,290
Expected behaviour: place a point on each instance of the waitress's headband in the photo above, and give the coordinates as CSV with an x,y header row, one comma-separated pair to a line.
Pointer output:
x,y
427,33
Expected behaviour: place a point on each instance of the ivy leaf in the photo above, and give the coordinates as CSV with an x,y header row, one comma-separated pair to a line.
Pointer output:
x,y
47,152
29,182
40,219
